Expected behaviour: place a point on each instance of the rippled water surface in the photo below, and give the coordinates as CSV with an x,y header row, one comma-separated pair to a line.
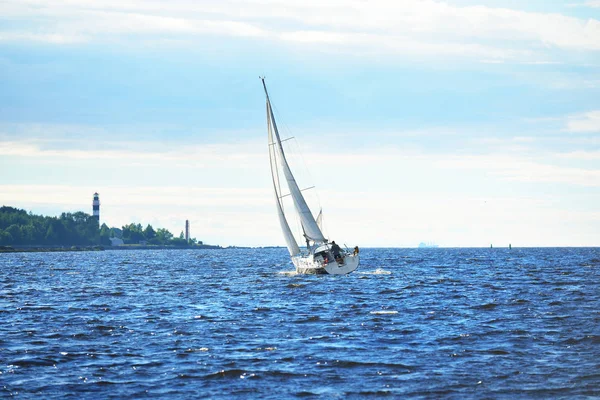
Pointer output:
x,y
430,323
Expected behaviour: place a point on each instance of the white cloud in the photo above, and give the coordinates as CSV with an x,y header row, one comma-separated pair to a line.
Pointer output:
x,y
372,43
539,62
586,122
126,153
591,84
135,23
513,162
520,169
140,195
581,155
374,197
54,38
505,167
378,26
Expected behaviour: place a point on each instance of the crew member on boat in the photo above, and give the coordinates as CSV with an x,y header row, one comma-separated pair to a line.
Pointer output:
x,y
356,250
335,249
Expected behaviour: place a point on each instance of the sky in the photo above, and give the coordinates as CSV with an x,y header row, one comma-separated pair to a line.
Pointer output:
x,y
463,123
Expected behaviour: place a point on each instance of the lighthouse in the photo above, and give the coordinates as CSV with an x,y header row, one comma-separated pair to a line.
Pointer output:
x,y
96,207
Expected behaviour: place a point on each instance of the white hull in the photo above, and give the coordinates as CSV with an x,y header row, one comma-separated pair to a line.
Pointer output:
x,y
306,265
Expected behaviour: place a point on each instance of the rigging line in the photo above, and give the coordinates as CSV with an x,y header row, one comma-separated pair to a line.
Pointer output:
x,y
302,190
276,113
282,121
282,124
307,170
299,159
285,126
309,177
284,140
299,227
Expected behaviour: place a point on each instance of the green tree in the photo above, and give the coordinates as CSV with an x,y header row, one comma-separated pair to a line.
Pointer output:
x,y
74,228
61,232
105,235
28,234
51,235
163,235
133,233
149,232
5,238
15,231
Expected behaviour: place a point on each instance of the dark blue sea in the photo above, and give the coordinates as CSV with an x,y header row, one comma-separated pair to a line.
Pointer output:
x,y
236,323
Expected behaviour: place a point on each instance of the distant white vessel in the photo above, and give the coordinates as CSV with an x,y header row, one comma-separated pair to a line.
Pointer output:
x,y
320,255
424,245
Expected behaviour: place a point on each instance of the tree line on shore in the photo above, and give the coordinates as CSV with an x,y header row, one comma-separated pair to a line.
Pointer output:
x,y
18,227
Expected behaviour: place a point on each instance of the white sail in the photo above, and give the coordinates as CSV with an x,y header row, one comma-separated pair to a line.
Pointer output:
x,y
291,243
311,229
320,258
320,220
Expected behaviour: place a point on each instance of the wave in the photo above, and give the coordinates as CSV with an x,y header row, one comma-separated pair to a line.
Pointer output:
x,y
359,364
497,352
226,373
288,273
33,362
305,318
591,339
487,306
243,374
378,271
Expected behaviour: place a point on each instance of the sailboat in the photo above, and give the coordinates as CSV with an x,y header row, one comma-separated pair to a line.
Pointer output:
x,y
320,255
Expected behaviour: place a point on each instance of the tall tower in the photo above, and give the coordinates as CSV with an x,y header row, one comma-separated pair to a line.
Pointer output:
x,y
187,230
96,207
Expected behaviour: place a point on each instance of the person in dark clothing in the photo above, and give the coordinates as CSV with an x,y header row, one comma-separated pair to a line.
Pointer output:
x,y
335,249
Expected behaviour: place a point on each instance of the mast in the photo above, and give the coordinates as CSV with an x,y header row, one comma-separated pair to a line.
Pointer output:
x,y
309,225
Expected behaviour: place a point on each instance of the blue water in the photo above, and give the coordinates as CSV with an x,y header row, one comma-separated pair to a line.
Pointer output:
x,y
424,323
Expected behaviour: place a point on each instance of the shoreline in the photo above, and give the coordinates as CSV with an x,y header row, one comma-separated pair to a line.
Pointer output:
x,y
54,249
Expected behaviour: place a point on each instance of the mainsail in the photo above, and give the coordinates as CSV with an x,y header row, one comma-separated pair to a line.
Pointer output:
x,y
292,245
309,225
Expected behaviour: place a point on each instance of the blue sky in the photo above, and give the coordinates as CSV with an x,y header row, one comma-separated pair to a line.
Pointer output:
x,y
462,122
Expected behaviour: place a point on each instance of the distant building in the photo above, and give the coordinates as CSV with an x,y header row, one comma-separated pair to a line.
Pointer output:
x,y
187,230
115,241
